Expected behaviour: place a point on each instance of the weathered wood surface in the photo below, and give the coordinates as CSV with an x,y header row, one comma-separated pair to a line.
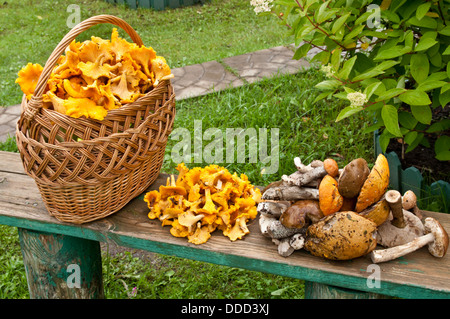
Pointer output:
x,y
418,275
60,266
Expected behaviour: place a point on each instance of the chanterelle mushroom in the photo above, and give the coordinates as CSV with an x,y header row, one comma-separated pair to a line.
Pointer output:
x,y
189,219
195,208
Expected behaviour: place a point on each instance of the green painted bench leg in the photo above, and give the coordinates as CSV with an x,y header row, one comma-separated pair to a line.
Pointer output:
x,y
60,266
314,290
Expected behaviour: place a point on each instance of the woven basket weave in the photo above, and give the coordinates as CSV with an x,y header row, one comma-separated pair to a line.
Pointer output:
x,y
115,160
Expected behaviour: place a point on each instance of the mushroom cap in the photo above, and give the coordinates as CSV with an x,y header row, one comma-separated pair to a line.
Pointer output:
x,y
392,196
341,236
409,200
330,200
378,212
301,213
375,185
389,235
353,177
438,247
331,167
294,217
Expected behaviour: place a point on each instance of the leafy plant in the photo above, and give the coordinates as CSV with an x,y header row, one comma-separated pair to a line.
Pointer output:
x,y
388,58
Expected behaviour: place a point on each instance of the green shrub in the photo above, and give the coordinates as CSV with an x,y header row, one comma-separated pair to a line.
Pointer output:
x,y
387,58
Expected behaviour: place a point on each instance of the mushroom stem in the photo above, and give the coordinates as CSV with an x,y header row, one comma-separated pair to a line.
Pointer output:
x,y
273,228
383,255
284,247
302,178
394,199
290,193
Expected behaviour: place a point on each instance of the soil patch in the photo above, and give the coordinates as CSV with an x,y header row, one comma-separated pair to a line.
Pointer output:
x,y
423,158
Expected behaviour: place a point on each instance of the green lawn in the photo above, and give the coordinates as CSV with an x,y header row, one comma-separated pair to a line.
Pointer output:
x,y
187,36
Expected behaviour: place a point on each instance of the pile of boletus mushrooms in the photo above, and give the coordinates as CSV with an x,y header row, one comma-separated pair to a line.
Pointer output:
x,y
341,214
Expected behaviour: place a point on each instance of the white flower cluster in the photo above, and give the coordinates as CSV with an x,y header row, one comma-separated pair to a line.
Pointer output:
x,y
261,5
328,70
357,99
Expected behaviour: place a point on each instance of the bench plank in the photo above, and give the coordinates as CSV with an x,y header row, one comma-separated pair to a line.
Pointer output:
x,y
418,275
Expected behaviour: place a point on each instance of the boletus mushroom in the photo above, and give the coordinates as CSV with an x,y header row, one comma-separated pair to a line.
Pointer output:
x,y
273,228
378,212
409,202
375,185
330,200
331,167
301,214
401,226
436,238
341,236
353,177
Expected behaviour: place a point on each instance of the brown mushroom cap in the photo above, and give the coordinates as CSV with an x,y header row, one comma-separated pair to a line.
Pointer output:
x,y
353,177
294,217
301,213
409,200
438,247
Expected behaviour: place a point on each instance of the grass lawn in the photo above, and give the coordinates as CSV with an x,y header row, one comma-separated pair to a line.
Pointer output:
x,y
187,36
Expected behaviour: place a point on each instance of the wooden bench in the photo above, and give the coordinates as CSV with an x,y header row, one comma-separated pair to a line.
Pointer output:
x,y
54,252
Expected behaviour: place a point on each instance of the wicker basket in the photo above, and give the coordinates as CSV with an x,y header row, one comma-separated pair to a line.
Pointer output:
x,y
117,158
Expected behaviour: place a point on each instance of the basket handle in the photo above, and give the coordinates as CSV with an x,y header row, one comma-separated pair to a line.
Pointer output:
x,y
35,103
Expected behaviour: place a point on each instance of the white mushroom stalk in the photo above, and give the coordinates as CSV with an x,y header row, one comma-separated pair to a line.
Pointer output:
x,y
436,239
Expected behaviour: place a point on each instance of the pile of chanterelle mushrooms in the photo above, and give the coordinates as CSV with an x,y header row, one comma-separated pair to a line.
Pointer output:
x,y
342,214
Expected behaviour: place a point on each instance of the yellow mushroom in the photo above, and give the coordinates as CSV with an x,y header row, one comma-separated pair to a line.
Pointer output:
x,y
89,51
120,89
201,235
189,219
209,207
238,230
96,69
118,45
195,206
68,65
143,56
160,69
171,189
178,230
28,78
